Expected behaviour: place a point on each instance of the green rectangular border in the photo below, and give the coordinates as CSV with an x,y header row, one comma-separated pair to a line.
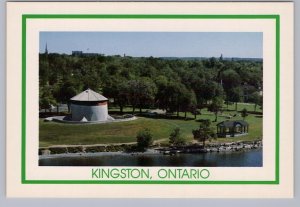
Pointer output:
x,y
274,17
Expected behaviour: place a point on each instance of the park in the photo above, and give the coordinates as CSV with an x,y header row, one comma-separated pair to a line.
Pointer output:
x,y
114,100
93,103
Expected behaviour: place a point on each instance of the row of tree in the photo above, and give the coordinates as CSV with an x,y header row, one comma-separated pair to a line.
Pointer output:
x,y
175,85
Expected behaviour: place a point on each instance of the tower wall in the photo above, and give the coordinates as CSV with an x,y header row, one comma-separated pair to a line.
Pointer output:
x,y
90,113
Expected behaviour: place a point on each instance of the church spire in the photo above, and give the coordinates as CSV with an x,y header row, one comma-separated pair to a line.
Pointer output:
x,y
46,49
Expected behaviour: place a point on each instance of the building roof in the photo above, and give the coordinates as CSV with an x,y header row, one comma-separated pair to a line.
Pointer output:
x,y
88,95
229,124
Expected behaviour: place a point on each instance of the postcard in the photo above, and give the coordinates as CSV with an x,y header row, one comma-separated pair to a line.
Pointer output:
x,y
154,100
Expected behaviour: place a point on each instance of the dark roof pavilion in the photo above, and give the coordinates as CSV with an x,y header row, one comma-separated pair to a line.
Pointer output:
x,y
232,128
229,124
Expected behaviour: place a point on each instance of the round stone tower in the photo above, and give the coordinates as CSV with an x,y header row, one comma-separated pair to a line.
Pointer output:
x,y
89,106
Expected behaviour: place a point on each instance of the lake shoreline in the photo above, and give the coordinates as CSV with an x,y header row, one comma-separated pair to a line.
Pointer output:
x,y
82,150
152,158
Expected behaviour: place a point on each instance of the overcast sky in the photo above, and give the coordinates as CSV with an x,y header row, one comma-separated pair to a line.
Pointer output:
x,y
156,44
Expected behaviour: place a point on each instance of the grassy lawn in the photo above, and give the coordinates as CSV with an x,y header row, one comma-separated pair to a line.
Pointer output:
x,y
52,133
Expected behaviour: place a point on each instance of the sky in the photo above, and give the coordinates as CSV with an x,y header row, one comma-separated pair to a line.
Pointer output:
x,y
156,44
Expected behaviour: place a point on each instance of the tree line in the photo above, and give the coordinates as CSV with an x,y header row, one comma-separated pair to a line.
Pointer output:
x,y
174,85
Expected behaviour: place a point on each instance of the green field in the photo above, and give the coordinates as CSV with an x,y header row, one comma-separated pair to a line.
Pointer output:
x,y
53,133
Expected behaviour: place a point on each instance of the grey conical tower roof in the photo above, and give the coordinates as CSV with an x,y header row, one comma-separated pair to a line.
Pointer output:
x,y
89,95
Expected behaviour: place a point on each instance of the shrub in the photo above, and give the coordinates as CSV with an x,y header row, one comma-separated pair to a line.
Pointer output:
x,y
144,139
176,138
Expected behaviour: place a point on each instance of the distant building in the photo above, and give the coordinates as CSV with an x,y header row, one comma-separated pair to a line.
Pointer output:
x,y
81,53
77,53
89,106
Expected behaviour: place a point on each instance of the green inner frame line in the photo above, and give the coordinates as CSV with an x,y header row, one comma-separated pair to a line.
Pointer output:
x,y
274,17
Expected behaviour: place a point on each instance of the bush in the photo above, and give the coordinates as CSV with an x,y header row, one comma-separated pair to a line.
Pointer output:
x,y
144,139
176,138
244,113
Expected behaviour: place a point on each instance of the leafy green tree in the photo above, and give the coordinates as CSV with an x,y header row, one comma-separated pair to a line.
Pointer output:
x,y
261,102
208,90
211,62
244,113
194,111
255,98
216,106
176,137
172,96
232,86
204,132
111,87
192,104
117,88
64,92
141,93
144,139
114,68
187,100
160,98
235,95
91,78
122,95
46,100
147,93
44,71
178,96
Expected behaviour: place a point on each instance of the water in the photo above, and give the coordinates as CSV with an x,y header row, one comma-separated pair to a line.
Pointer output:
x,y
251,158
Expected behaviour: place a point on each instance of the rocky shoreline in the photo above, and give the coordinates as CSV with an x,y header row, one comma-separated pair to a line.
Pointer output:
x,y
214,147
84,149
194,148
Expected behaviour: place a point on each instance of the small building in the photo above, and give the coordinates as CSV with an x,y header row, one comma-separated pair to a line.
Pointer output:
x,y
77,53
232,128
89,106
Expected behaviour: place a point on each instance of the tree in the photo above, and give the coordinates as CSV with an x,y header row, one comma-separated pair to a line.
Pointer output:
x,y
204,132
174,96
46,99
216,106
147,93
64,92
206,91
244,113
255,98
122,95
187,100
193,104
144,139
234,95
171,95
115,87
46,102
176,137
160,98
232,86
194,111
230,79
141,93
44,71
